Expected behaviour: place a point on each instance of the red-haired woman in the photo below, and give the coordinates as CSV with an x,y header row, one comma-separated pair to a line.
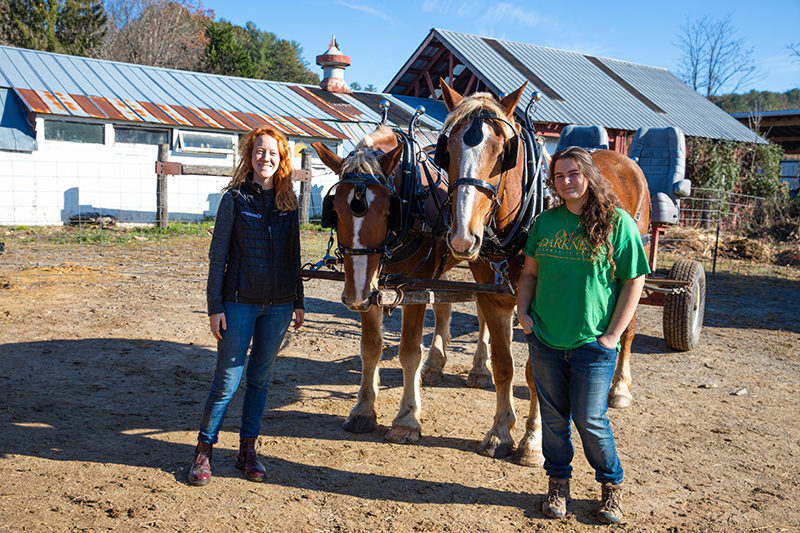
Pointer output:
x,y
580,284
253,287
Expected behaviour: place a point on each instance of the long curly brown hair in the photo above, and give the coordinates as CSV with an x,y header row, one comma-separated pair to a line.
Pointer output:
x,y
598,218
285,199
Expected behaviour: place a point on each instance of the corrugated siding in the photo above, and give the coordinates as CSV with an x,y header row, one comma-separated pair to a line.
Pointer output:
x,y
590,95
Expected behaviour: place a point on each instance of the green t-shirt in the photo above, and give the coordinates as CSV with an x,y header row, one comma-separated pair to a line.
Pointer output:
x,y
575,295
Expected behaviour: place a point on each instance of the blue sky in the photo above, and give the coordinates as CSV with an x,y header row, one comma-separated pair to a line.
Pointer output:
x,y
381,36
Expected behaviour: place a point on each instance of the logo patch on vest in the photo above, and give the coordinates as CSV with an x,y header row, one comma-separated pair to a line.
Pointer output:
x,y
249,214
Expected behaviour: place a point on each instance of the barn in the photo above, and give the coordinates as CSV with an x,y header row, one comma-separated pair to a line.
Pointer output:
x,y
80,135
575,88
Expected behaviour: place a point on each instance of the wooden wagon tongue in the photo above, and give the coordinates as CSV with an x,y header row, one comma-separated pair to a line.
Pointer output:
x,y
412,291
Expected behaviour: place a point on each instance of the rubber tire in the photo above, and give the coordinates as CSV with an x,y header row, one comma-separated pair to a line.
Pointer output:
x,y
683,313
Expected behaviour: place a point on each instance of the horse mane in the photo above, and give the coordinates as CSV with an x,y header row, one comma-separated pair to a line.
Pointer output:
x,y
476,102
364,157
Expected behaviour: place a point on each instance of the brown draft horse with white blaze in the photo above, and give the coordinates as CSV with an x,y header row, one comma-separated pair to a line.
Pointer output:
x,y
473,207
361,237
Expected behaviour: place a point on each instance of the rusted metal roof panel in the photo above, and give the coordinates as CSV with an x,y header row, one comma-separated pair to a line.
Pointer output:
x,y
159,113
33,100
108,108
88,106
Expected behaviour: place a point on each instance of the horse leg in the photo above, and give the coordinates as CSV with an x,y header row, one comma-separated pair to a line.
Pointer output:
x,y
499,441
406,426
619,396
434,364
363,418
480,377
529,449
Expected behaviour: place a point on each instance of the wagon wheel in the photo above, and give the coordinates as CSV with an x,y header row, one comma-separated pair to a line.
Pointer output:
x,y
683,312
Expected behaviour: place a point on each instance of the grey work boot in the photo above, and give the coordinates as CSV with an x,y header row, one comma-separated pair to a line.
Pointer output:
x,y
555,503
610,511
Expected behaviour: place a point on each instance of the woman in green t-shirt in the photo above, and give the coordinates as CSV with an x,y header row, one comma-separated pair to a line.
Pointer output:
x,y
583,275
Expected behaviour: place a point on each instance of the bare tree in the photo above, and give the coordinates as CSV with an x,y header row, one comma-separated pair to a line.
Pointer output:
x,y
714,57
161,33
794,48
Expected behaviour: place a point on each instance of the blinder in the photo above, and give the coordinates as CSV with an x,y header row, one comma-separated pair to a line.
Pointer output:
x,y
359,206
472,137
328,217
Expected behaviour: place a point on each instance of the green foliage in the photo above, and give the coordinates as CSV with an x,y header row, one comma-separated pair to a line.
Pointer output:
x,y
225,52
746,168
758,101
312,226
74,27
251,53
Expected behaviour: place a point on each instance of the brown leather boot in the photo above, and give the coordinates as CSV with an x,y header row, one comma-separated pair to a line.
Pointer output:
x,y
610,511
555,503
200,472
247,460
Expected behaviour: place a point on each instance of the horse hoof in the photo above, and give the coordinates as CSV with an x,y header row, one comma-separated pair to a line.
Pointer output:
x,y
360,424
403,435
431,377
525,457
479,381
497,451
620,401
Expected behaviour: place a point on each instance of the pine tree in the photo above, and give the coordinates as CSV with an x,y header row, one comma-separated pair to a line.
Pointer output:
x,y
74,27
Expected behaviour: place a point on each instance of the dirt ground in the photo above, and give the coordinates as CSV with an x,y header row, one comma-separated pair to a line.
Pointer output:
x,y
104,377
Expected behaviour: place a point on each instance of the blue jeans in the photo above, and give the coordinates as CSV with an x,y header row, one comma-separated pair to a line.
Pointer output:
x,y
266,326
573,385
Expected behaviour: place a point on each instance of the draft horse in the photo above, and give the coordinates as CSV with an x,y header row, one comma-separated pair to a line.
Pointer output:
x,y
369,217
486,193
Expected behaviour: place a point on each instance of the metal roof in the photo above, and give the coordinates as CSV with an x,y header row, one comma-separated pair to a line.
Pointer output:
x,y
70,86
582,89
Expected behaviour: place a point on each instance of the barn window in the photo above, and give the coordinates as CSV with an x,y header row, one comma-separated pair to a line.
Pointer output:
x,y
140,136
202,142
76,132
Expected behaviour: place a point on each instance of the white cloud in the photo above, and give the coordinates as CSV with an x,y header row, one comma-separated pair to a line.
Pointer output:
x,y
510,14
366,9
456,8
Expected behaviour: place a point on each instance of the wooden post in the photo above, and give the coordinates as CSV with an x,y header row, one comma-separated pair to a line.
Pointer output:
x,y
162,211
305,185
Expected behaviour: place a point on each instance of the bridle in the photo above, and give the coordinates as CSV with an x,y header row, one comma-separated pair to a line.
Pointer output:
x,y
532,182
359,207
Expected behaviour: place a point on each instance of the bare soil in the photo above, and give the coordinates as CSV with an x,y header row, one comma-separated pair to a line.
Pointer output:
x,y
104,376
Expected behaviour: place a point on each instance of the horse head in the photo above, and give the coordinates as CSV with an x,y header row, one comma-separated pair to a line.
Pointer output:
x,y
365,205
480,147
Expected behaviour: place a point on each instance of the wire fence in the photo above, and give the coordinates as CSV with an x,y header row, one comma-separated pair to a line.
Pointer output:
x,y
715,228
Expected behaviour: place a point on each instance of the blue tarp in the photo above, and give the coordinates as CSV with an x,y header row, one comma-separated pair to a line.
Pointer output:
x,y
16,134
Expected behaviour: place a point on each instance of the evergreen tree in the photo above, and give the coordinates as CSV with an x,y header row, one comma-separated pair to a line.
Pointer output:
x,y
225,51
74,27
252,53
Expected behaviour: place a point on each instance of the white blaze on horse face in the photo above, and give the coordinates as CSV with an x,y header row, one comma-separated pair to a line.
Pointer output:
x,y
462,240
361,284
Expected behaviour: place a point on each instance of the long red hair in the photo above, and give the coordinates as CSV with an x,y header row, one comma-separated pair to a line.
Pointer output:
x,y
285,199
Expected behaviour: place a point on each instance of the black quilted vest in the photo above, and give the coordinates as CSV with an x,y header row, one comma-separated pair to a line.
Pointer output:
x,y
264,255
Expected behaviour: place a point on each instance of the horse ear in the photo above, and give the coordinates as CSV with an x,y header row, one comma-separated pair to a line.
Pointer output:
x,y
331,160
510,101
390,160
451,97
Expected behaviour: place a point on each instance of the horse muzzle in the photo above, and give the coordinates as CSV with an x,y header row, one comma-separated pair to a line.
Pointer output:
x,y
464,249
358,305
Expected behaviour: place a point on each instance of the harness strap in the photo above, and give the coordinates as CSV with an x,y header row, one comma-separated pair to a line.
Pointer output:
x,y
481,184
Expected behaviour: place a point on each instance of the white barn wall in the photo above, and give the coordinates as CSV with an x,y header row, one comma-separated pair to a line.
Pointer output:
x,y
61,179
